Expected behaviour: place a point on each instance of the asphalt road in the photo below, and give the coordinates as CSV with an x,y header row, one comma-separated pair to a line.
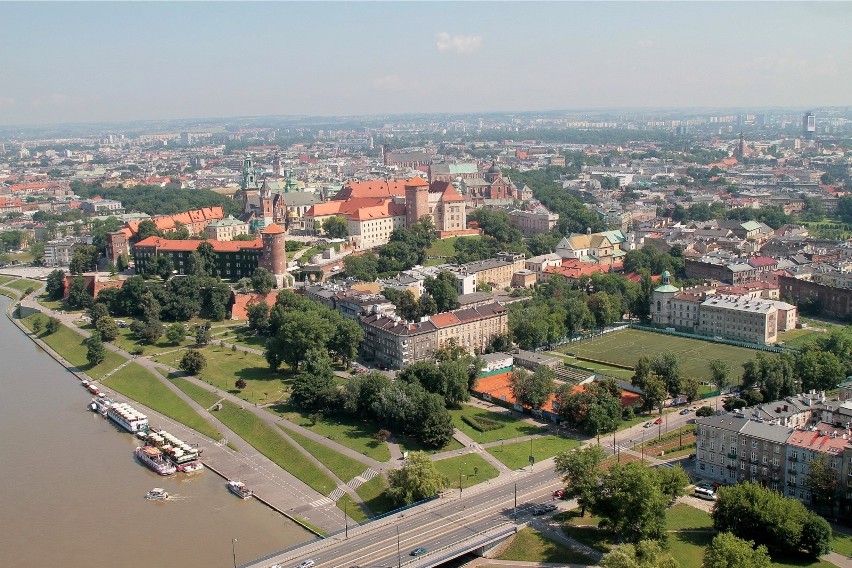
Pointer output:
x,y
446,521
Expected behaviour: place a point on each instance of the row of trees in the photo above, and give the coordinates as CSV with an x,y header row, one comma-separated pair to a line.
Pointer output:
x,y
155,200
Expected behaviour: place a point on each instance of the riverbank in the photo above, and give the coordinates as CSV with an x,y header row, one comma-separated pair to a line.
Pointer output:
x,y
290,498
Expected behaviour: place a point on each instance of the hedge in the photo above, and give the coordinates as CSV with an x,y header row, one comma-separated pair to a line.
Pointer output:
x,y
481,424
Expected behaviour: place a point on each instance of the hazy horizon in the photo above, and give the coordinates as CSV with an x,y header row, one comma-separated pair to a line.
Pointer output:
x,y
73,62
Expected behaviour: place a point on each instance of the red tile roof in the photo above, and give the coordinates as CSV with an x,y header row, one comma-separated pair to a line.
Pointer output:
x,y
272,229
239,309
192,245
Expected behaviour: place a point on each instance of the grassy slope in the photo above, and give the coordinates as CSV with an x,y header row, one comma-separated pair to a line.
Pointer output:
x,y
69,344
516,456
137,383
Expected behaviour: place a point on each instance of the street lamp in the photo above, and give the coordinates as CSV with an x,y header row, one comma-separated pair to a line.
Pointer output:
x,y
398,558
234,551
345,519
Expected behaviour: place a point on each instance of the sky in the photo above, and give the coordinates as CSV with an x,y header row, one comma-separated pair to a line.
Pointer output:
x,y
121,61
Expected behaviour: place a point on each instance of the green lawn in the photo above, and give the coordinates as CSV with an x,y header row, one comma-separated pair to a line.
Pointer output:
x,y
795,338
51,304
4,279
683,517
244,337
344,467
469,470
516,455
373,494
445,247
841,543
409,444
268,442
23,284
529,545
202,396
225,367
343,429
137,383
69,344
625,347
351,508
9,293
513,427
127,341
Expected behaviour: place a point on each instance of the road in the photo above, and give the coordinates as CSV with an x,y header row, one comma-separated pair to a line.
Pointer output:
x,y
456,516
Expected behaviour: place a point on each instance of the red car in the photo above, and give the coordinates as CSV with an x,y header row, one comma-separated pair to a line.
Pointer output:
x,y
658,420
558,493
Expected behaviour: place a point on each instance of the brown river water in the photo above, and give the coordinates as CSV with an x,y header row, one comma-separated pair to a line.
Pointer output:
x,y
73,495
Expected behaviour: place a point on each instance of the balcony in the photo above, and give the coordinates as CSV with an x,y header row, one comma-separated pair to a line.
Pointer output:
x,y
732,455
793,459
791,471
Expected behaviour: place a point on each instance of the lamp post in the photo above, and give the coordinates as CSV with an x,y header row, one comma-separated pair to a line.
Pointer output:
x,y
515,508
234,551
532,456
398,558
345,519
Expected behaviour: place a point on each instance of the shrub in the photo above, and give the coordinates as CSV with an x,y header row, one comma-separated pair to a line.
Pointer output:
x,y
481,424
704,411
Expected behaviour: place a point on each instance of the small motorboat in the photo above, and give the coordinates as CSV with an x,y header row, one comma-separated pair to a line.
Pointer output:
x,y
157,494
239,489
191,467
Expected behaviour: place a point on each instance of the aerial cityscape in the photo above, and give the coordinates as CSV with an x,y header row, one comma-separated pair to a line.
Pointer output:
x,y
376,284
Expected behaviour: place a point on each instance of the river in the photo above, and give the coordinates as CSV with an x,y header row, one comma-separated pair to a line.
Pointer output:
x,y
73,495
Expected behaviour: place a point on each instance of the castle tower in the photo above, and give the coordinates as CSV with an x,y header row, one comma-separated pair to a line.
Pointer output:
x,y
274,256
416,203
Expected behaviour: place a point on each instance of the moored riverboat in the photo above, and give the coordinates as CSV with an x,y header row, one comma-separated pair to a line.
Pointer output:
x,y
153,459
239,489
127,417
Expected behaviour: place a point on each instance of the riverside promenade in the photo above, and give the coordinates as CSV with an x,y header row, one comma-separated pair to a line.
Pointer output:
x,y
272,485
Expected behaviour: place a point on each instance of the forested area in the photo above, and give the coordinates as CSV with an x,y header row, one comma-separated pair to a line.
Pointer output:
x,y
155,200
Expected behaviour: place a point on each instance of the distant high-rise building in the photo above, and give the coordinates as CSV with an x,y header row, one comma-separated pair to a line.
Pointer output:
x,y
809,125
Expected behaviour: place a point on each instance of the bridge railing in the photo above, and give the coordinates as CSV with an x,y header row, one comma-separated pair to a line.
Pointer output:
x,y
434,557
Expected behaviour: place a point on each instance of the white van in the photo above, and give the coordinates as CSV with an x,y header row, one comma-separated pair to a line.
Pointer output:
x,y
705,493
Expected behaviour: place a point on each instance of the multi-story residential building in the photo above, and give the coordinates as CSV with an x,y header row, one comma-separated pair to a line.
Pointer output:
x,y
600,248
58,252
397,343
539,220
226,229
350,303
803,446
496,272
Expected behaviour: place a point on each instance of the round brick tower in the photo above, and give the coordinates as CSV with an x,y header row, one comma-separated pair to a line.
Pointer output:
x,y
274,256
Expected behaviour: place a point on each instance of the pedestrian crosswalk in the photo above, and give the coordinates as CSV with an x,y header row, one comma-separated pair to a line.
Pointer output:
x,y
321,502
336,494
356,481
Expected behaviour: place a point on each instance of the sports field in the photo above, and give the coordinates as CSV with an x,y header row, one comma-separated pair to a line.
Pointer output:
x,y
626,346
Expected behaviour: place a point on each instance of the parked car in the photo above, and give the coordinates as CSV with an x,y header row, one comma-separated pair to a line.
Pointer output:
x,y
648,424
684,411
419,551
559,493
658,420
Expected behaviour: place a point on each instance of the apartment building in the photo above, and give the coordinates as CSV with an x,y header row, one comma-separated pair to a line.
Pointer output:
x,y
803,446
742,319
59,252
396,343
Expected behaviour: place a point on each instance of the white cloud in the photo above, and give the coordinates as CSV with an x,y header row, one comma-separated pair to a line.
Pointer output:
x,y
459,44
646,43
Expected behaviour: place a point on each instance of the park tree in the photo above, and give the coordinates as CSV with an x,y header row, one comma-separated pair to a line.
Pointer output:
x,y
605,308
314,387
208,258
720,372
107,327
79,297
176,333
192,362
729,551
214,300
819,370
258,316
163,266
299,332
672,481
55,284
581,472
84,259
433,423
37,324
593,409
52,325
631,503
336,227
122,262
642,371
690,388
262,281
784,525
98,311
95,350
364,267
152,331
667,367
643,554
532,389
203,336
577,316
418,479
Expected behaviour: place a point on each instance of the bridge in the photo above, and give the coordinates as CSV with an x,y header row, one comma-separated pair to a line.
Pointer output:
x,y
460,522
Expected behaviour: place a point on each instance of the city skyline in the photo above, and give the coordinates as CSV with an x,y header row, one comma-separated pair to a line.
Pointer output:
x,y
153,61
